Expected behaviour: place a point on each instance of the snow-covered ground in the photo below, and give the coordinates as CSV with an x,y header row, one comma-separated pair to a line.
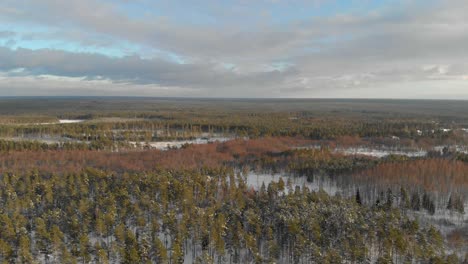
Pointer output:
x,y
44,139
457,148
380,153
255,180
70,121
383,152
165,145
374,152
62,121
445,220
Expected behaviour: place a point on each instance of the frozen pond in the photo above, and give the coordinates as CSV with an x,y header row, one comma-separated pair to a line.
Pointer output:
x,y
380,153
374,152
44,139
160,145
165,145
70,121
63,121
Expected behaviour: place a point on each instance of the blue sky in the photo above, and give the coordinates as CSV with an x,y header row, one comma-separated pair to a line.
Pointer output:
x,y
243,48
216,14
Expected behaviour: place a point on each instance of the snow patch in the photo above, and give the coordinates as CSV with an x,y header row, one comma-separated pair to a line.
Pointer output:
x,y
380,153
70,121
165,145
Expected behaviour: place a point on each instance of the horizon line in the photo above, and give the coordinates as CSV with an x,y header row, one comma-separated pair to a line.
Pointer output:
x,y
221,98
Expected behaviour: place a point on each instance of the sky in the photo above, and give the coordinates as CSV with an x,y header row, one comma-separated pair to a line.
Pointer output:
x,y
409,49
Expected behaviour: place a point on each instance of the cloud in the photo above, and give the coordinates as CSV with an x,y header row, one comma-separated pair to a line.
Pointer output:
x,y
7,34
362,54
133,70
93,17
45,85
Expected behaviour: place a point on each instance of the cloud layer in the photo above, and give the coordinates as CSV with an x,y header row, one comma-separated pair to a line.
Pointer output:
x,y
159,48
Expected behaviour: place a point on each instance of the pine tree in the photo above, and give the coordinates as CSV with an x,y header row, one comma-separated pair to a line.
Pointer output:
x,y
160,251
131,254
84,247
358,197
405,201
6,251
24,250
101,255
389,202
450,203
459,205
415,202
177,252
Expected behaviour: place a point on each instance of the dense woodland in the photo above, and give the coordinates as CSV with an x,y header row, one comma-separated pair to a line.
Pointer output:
x,y
98,192
167,216
241,125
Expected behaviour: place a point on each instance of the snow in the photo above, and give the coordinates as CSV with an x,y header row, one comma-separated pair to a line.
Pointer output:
x,y
374,152
457,148
70,121
445,220
380,153
62,121
255,180
43,139
165,145
384,152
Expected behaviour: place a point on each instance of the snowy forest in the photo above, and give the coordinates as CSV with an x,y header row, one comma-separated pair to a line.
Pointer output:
x,y
96,180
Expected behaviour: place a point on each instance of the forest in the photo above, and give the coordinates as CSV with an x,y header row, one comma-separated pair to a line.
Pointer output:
x,y
141,180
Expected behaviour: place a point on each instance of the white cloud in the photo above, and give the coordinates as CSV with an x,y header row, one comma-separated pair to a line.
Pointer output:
x,y
421,47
